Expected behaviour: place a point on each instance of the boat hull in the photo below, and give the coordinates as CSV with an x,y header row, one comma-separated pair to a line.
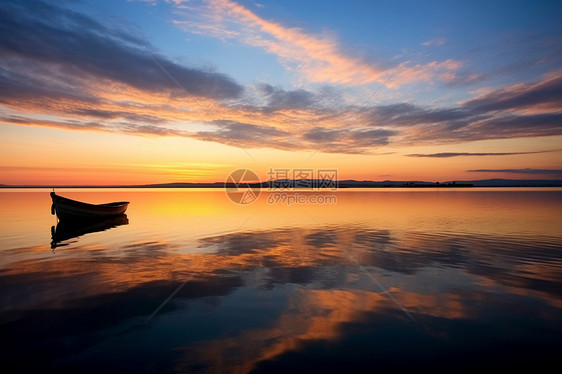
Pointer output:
x,y
67,209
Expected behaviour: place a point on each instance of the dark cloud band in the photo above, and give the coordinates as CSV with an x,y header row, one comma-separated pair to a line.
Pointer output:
x,y
520,171
461,154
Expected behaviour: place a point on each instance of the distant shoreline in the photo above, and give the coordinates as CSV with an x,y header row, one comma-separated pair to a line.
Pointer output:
x,y
314,184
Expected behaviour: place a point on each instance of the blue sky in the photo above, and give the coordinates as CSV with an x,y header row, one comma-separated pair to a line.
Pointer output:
x,y
506,41
479,84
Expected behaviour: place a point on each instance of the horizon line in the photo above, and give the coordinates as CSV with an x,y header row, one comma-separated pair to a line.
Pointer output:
x,y
222,184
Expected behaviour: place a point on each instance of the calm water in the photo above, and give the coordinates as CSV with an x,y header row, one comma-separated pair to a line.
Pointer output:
x,y
190,282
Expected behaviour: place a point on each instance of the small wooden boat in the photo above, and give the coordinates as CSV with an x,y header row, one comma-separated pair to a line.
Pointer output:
x,y
71,209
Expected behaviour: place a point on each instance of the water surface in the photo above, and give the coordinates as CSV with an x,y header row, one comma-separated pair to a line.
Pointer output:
x,y
447,279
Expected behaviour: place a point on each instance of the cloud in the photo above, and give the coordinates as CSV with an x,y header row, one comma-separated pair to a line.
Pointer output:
x,y
435,41
54,47
407,114
318,58
520,171
478,119
513,125
462,78
63,69
278,98
470,154
116,127
247,135
547,94
347,140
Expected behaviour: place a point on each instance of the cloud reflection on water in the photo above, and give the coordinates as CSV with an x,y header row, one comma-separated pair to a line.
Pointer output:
x,y
296,282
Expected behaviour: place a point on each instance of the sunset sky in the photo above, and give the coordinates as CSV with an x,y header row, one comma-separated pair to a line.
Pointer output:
x,y
134,92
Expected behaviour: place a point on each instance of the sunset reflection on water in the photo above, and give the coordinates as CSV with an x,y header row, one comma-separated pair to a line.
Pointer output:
x,y
194,282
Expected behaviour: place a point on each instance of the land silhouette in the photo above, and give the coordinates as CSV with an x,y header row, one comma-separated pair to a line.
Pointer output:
x,y
317,183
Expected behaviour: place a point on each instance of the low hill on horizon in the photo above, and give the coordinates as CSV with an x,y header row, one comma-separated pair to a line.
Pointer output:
x,y
348,183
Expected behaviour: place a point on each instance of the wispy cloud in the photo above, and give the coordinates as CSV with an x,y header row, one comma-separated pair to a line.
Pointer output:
x,y
520,171
470,154
544,95
435,41
319,58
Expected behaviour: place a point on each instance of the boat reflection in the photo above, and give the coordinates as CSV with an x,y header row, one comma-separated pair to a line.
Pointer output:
x,y
66,230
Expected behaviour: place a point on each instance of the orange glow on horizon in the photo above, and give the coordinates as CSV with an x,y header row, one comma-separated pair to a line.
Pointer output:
x,y
47,156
